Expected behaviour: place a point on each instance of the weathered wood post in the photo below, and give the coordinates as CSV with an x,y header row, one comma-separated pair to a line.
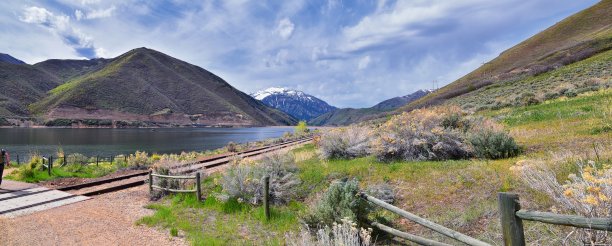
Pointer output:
x,y
97,159
18,162
112,158
512,226
198,187
50,164
266,202
150,182
65,161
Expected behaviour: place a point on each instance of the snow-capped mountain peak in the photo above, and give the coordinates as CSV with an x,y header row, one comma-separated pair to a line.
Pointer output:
x,y
293,102
261,95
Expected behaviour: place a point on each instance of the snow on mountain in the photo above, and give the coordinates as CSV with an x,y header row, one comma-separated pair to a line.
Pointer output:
x,y
293,102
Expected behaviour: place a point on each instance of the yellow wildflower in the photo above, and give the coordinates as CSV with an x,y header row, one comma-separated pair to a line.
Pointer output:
x,y
590,199
568,193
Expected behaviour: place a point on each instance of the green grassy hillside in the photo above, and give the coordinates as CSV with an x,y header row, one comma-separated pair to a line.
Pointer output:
x,y
21,85
147,82
575,38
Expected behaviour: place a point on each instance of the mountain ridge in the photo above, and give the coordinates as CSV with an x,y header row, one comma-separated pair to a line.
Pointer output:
x,y
347,116
575,38
296,103
142,85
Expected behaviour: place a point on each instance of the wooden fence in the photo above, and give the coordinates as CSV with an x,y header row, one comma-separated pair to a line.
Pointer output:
x,y
511,215
197,191
421,221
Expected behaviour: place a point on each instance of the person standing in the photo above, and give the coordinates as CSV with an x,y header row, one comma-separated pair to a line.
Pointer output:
x,y
5,159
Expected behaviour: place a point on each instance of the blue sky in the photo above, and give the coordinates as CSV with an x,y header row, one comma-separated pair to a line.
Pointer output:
x,y
349,53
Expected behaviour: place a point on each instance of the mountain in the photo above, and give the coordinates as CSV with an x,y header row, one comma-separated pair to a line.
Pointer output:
x,y
576,38
347,116
295,103
6,58
147,85
397,102
142,85
67,69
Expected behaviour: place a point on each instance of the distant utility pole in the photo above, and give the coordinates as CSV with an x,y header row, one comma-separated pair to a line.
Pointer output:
x,y
434,85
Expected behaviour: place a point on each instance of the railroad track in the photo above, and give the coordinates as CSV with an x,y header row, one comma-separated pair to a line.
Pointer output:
x,y
139,178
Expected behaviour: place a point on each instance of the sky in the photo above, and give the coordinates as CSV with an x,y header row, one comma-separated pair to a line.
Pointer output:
x,y
348,53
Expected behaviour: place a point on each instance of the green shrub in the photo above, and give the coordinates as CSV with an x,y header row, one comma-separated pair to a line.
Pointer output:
x,y
491,144
424,134
346,143
73,168
301,128
139,160
28,171
527,99
570,93
242,181
340,201
232,147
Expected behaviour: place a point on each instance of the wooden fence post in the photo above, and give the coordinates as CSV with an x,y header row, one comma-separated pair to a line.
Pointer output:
x,y
150,182
65,161
512,226
18,163
266,202
97,159
49,164
198,187
112,158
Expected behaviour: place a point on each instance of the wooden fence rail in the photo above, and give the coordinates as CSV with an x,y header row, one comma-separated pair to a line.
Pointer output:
x,y
421,221
512,217
197,190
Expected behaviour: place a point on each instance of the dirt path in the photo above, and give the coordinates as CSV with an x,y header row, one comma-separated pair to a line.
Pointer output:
x,y
104,220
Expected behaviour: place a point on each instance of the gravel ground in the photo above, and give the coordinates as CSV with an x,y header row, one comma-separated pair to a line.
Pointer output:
x,y
103,220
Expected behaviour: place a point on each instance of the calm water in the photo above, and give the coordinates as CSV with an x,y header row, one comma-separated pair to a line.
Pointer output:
x,y
106,142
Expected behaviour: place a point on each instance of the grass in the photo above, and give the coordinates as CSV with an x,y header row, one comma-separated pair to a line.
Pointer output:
x,y
460,194
69,171
223,223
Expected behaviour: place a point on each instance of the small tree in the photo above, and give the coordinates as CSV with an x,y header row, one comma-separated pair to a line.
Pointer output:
x,y
301,128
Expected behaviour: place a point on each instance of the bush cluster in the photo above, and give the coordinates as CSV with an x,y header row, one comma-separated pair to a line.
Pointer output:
x,y
438,133
349,142
243,180
139,160
424,134
341,201
587,192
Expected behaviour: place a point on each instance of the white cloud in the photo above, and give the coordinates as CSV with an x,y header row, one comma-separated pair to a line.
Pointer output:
x,y
101,13
78,14
60,25
402,21
285,28
363,62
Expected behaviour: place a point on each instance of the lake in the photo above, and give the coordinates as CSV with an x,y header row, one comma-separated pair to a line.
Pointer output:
x,y
106,142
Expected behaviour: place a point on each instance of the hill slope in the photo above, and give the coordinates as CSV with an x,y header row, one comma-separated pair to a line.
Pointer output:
x,y
9,59
295,103
67,69
21,85
347,116
147,85
577,37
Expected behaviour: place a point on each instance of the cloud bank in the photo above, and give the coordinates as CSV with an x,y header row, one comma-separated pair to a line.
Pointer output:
x,y
349,53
